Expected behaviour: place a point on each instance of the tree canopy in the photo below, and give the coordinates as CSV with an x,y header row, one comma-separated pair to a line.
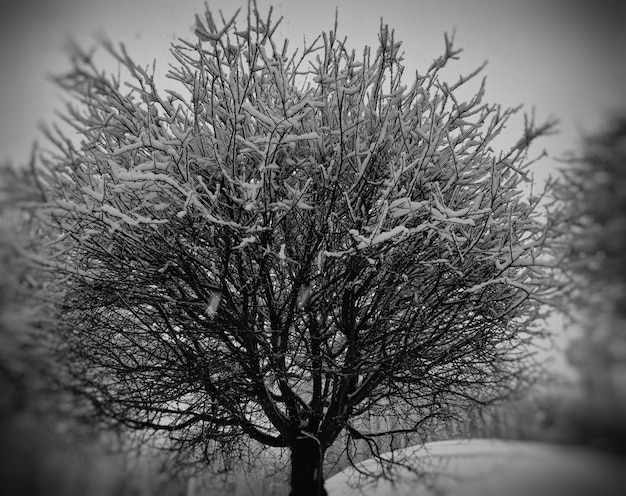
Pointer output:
x,y
288,241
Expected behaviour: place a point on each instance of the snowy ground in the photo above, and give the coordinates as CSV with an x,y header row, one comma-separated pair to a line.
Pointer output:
x,y
485,467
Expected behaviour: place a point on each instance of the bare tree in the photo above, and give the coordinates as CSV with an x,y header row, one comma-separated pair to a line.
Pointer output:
x,y
300,240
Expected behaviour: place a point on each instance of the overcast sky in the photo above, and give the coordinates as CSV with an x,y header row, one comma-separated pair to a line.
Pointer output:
x,y
563,57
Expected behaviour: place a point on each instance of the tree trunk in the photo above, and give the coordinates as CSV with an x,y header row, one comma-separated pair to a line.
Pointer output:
x,y
307,477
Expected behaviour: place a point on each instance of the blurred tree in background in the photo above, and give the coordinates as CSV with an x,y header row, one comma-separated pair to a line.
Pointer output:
x,y
593,202
596,195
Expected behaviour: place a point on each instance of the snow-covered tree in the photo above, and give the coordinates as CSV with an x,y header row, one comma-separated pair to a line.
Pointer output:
x,y
289,241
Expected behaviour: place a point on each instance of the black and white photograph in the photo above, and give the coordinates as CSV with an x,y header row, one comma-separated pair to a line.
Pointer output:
x,y
312,248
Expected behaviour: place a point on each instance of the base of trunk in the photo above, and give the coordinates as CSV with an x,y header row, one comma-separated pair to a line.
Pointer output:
x,y
307,478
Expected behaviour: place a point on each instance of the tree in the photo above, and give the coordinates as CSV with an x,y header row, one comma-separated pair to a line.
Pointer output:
x,y
300,241
24,360
594,201
593,206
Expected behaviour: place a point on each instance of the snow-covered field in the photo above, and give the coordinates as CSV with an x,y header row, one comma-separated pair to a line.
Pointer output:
x,y
488,467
